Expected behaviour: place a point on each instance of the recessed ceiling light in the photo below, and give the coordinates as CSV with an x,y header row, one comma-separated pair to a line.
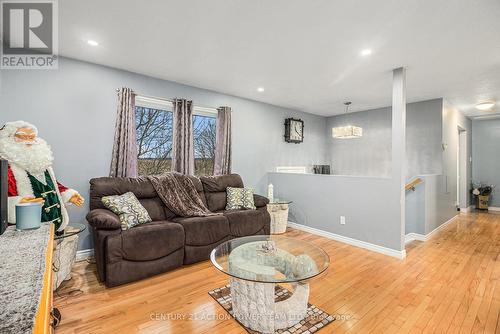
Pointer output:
x,y
93,43
260,89
366,52
485,105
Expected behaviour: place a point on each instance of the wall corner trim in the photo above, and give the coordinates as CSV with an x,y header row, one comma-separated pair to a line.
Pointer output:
x,y
414,236
350,241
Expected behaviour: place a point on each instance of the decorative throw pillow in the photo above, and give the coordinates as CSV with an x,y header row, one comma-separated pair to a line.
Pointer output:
x,y
128,208
239,198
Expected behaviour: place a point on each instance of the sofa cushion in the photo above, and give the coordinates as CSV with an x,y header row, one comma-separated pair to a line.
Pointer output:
x,y
124,271
128,209
147,242
142,189
239,198
193,254
199,188
216,201
215,187
202,231
108,186
246,222
219,183
156,209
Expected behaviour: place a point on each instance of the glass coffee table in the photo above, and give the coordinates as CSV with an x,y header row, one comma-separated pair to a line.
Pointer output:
x,y
255,265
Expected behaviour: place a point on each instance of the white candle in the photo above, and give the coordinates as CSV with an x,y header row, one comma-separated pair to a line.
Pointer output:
x,y
270,192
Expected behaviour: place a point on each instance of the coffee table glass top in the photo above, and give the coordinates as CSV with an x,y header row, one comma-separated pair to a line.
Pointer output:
x,y
270,259
280,201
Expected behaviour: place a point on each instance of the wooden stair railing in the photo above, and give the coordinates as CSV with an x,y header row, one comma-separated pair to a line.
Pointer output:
x,y
411,185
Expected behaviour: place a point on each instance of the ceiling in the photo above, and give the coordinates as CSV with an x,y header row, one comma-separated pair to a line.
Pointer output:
x,y
306,54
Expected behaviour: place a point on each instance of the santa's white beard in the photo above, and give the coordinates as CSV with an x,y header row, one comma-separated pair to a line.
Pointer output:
x,y
34,158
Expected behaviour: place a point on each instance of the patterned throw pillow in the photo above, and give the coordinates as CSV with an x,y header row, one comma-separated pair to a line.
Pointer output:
x,y
239,198
128,208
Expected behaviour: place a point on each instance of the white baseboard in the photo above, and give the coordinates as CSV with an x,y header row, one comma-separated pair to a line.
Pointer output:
x,y
353,242
414,236
421,237
440,227
490,208
84,254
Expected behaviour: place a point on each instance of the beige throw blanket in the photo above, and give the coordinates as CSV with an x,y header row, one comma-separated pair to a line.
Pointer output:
x,y
179,194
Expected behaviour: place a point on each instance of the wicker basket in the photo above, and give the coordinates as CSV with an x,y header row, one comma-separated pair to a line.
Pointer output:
x,y
483,201
279,217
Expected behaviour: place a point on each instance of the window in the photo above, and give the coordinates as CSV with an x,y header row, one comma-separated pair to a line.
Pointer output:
x,y
154,140
204,144
154,128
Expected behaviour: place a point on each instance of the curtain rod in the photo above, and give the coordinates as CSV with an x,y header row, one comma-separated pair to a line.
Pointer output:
x,y
169,100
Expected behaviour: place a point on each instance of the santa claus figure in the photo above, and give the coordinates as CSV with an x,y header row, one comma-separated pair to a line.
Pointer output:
x,y
31,177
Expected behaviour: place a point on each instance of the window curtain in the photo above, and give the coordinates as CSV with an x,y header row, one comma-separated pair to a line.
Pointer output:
x,y
222,163
183,143
124,158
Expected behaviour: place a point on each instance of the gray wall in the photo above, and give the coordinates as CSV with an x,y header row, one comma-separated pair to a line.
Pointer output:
x,y
486,157
415,210
371,154
440,190
428,206
74,108
429,125
423,138
368,203
453,120
438,206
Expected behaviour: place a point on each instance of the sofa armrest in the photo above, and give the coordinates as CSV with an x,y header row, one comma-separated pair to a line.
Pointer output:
x,y
103,219
260,201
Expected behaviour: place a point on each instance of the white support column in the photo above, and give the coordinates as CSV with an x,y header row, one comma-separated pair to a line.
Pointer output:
x,y
399,141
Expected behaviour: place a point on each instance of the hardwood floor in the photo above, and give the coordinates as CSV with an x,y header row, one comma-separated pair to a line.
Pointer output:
x,y
449,284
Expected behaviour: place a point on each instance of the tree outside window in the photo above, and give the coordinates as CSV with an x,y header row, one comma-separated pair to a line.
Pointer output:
x,y
154,140
204,128
154,131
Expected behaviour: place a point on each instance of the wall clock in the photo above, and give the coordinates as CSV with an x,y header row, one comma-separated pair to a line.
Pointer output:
x,y
294,130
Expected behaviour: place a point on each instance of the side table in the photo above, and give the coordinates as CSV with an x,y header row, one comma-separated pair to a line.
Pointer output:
x,y
65,245
278,209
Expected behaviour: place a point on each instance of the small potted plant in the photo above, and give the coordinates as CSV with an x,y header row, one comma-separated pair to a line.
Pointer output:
x,y
482,193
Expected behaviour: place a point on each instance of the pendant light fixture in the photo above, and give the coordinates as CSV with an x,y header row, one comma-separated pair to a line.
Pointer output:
x,y
347,131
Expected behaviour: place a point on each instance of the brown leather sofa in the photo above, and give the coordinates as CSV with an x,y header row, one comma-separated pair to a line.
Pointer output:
x,y
168,241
